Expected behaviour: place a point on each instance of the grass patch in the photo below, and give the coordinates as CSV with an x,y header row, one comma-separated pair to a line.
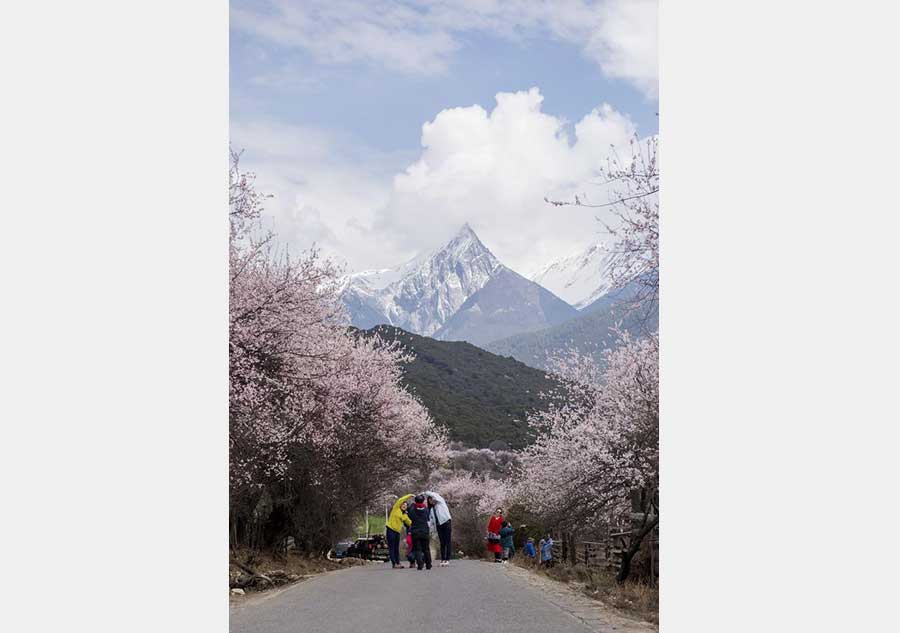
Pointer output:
x,y
376,525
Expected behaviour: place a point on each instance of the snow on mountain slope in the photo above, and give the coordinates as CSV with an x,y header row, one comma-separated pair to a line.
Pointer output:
x,y
376,279
508,304
420,295
579,279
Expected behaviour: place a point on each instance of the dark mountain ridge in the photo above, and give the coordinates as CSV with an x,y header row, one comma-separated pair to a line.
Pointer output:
x,y
481,398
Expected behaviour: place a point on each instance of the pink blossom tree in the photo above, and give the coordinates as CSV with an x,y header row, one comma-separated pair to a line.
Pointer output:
x,y
281,319
601,447
318,417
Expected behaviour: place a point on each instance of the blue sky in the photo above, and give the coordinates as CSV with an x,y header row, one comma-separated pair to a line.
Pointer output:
x,y
329,101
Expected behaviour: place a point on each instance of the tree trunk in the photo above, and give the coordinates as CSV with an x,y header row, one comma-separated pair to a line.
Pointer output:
x,y
633,548
255,575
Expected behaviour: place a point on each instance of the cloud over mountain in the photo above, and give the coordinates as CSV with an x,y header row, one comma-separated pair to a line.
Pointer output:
x,y
491,168
494,168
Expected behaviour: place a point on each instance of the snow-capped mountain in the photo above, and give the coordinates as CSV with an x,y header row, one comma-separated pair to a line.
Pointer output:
x,y
579,279
420,295
508,304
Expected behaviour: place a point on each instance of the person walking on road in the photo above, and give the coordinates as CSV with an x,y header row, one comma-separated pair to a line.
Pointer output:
x,y
493,535
421,532
441,514
506,540
397,519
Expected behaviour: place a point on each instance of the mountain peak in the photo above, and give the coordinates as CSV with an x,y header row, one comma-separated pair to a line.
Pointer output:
x,y
466,241
426,291
465,234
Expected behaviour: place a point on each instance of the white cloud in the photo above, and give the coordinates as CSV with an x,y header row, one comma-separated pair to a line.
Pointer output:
x,y
420,36
491,169
325,187
625,43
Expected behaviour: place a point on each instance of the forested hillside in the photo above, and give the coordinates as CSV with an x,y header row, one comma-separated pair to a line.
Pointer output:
x,y
480,397
589,333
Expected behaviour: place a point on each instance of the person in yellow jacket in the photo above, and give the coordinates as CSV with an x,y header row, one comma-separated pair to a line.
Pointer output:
x,y
397,519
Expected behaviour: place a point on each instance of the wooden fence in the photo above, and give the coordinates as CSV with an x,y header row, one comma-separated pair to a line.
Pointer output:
x,y
606,552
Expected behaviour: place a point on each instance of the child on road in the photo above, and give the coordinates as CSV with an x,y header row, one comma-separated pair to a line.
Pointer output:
x,y
410,554
547,551
530,553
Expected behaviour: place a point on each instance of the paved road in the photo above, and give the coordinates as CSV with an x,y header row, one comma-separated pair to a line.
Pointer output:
x,y
466,597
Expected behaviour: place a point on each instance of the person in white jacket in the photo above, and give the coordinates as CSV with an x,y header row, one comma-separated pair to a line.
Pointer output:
x,y
441,514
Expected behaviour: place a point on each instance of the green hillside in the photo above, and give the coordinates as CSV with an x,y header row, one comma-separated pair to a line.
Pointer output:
x,y
591,332
480,397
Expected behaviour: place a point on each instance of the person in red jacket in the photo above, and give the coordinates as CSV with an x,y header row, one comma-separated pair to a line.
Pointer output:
x,y
493,529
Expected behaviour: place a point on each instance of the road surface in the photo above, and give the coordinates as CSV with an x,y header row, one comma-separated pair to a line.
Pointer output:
x,y
467,597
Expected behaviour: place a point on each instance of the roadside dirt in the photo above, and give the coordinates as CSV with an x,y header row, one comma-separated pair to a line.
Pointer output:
x,y
281,572
571,597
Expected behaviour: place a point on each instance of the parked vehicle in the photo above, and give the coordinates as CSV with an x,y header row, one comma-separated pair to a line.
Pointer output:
x,y
370,548
365,547
342,550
